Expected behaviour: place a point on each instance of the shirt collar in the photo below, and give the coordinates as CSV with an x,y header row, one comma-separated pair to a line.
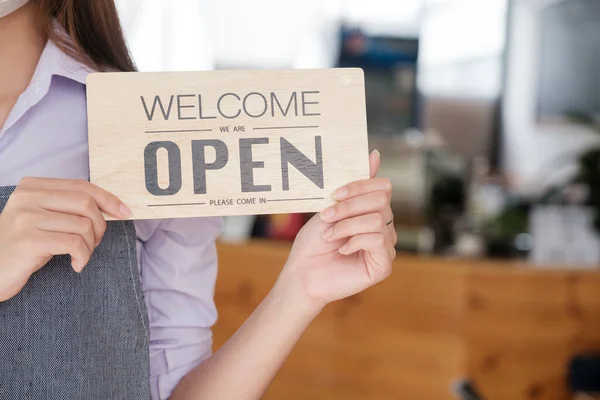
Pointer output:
x,y
55,62
52,62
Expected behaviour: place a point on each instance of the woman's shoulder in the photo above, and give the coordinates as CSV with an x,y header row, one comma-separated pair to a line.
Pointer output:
x,y
60,58
46,131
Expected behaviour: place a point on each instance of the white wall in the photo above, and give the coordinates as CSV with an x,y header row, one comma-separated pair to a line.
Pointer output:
x,y
165,35
204,34
530,150
461,48
273,33
460,71
462,42
385,17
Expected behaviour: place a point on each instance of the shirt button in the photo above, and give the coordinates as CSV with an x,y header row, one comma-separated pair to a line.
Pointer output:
x,y
38,89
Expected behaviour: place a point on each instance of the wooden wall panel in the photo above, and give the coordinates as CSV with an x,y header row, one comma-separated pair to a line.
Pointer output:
x,y
523,327
398,340
511,329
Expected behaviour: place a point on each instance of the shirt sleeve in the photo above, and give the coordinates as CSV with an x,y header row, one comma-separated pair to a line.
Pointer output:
x,y
178,269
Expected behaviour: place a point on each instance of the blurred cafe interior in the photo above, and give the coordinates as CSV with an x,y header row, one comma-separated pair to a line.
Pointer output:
x,y
486,117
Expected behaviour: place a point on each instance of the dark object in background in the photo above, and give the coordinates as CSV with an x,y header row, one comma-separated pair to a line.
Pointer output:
x,y
446,204
589,164
584,374
466,390
501,232
260,229
279,226
390,69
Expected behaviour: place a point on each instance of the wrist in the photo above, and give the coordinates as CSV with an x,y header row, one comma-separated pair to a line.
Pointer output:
x,y
290,291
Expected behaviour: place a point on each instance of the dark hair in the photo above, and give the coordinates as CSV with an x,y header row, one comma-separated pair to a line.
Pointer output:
x,y
95,34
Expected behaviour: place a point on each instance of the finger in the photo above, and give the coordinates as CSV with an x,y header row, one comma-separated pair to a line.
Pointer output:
x,y
106,201
57,243
360,205
374,162
393,234
51,221
76,203
377,251
364,186
369,223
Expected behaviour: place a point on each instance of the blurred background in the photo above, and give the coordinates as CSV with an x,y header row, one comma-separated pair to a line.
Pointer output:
x,y
485,113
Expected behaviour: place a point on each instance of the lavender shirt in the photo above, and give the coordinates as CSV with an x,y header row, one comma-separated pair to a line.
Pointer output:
x,y
45,135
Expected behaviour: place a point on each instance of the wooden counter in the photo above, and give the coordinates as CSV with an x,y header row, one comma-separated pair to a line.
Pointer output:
x,y
510,328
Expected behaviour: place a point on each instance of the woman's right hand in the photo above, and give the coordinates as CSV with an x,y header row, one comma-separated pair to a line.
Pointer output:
x,y
46,217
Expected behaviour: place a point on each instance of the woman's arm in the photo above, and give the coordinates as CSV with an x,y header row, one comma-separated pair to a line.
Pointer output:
x,y
245,366
346,249
178,261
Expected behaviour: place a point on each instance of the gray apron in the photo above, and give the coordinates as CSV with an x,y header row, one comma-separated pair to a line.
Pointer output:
x,y
78,336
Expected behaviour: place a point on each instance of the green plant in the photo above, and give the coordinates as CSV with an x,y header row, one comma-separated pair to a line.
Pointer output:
x,y
512,221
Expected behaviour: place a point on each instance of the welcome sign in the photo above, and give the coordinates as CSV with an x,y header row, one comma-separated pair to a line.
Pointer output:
x,y
187,144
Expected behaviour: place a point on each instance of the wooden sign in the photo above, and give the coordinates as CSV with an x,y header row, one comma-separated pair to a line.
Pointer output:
x,y
187,144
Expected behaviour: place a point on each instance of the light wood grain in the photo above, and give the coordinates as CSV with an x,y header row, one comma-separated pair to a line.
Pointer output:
x,y
510,328
307,108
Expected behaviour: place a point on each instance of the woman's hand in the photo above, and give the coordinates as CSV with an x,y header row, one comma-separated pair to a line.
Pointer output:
x,y
349,246
47,217
335,255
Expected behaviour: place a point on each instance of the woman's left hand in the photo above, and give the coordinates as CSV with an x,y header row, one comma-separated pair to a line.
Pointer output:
x,y
348,247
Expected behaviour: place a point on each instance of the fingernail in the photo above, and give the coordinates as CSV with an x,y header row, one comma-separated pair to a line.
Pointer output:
x,y
377,153
124,210
327,214
327,233
341,193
